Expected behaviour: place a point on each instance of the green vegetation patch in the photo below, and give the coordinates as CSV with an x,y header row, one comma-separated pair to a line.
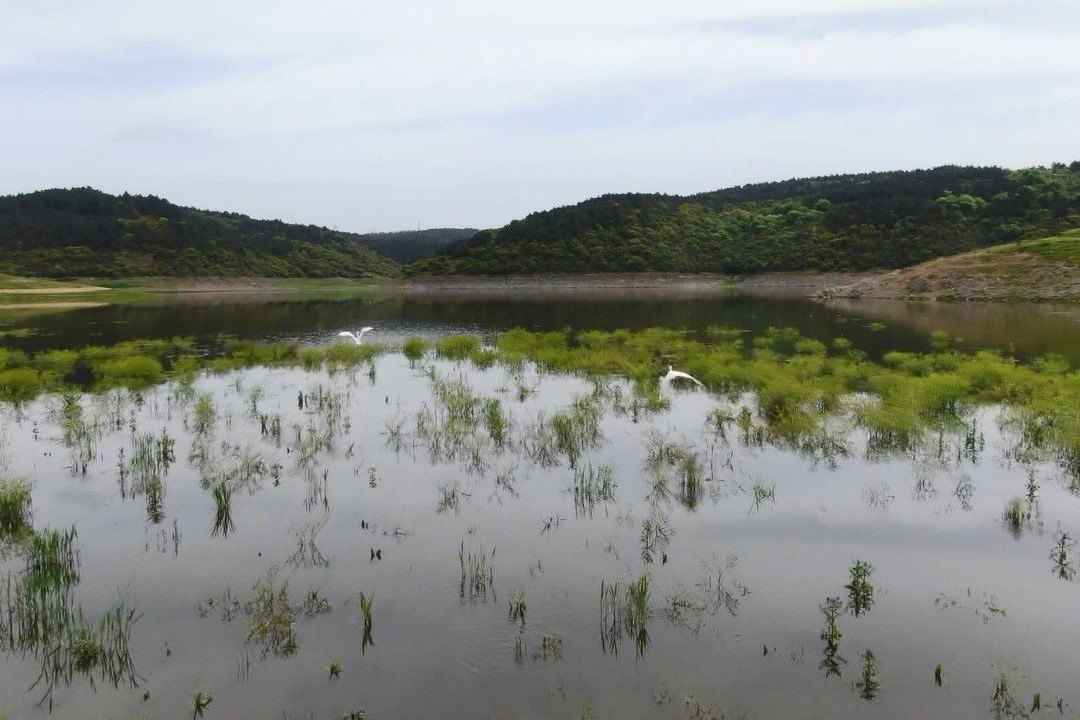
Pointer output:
x,y
1064,247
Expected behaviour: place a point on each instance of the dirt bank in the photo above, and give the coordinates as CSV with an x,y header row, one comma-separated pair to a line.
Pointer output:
x,y
989,274
615,285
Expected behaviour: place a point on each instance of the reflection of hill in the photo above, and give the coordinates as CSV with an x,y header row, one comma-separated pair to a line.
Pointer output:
x,y
1032,329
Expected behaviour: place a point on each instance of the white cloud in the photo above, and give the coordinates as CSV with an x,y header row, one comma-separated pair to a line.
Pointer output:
x,y
365,114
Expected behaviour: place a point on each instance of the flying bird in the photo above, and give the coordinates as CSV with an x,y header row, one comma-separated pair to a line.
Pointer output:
x,y
673,374
355,336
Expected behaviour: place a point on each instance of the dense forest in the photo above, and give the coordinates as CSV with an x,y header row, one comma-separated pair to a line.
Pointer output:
x,y
406,246
840,222
85,232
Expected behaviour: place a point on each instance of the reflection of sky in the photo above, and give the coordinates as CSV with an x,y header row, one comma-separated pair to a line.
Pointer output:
x,y
435,655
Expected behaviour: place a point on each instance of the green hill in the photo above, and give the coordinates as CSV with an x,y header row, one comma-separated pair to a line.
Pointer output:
x,y
840,222
406,246
88,233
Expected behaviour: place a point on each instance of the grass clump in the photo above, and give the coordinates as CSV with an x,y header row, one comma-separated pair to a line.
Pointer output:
x,y
271,619
15,499
457,347
414,348
477,574
625,611
592,487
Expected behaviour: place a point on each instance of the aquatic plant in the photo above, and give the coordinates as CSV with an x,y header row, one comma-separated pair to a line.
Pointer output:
x,y
223,522
15,498
1016,516
625,610
477,573
550,648
334,668
1062,555
459,347
761,493
655,536
591,487
496,421
869,684
366,604
517,606
939,675
200,702
52,559
860,588
271,618
205,414
831,660
414,348
1003,702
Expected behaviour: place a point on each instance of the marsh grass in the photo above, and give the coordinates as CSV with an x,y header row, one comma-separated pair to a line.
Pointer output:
x,y
204,414
366,605
15,499
517,609
414,349
223,520
625,610
497,422
271,617
52,559
40,619
592,487
477,574
655,536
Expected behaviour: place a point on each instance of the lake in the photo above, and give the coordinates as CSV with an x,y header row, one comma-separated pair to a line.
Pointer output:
x,y
475,536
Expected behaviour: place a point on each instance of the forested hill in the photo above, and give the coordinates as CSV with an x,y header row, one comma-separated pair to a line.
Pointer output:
x,y
408,245
840,222
85,232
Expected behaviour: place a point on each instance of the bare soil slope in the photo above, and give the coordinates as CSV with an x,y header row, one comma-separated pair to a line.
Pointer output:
x,y
1047,269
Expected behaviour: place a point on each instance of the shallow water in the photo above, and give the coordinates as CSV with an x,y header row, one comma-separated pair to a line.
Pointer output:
x,y
734,621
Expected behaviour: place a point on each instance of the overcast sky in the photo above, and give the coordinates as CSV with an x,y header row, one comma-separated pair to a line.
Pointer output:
x,y
384,115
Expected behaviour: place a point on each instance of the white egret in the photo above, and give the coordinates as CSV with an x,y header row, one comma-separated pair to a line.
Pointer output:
x,y
355,336
673,374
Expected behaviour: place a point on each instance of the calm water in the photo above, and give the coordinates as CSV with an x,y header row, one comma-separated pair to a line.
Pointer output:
x,y
739,564
876,326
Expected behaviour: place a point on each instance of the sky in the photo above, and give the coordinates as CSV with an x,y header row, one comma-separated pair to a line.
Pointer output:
x,y
368,116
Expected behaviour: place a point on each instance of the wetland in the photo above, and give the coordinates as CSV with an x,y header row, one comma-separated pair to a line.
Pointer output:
x,y
495,508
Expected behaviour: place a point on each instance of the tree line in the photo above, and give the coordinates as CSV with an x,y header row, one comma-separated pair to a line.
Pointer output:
x,y
839,222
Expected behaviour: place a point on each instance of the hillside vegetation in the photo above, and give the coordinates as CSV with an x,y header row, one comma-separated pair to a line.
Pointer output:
x,y
841,222
1043,269
406,246
88,233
